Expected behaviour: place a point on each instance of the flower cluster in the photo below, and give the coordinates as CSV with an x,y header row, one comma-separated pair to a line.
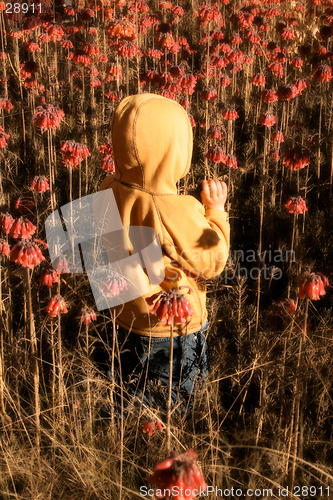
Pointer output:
x,y
216,154
296,205
22,228
295,160
73,153
48,277
4,248
312,285
40,184
149,427
181,471
171,307
6,222
87,316
3,138
60,264
27,253
25,203
56,306
282,306
113,285
48,116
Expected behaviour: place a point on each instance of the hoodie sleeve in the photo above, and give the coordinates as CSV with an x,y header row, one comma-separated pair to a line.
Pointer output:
x,y
199,243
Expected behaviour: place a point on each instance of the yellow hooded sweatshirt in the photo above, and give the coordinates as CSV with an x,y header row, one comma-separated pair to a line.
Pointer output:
x,y
152,144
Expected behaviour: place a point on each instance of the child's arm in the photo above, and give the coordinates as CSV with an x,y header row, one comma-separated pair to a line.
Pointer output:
x,y
201,246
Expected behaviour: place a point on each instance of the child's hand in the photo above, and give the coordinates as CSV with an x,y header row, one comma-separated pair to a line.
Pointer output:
x,y
214,193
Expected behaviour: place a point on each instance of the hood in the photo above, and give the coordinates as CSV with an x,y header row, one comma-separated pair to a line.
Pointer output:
x,y
152,142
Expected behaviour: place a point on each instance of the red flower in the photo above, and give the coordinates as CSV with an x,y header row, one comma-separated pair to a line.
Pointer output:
x,y
215,154
323,73
22,228
155,53
95,82
224,81
25,203
188,82
287,92
82,58
121,28
6,222
30,83
245,19
54,32
287,34
208,13
108,164
177,10
4,248
171,307
127,49
102,58
295,160
74,152
69,11
215,132
236,40
267,119
113,95
167,93
28,68
180,471
259,79
166,40
87,315
235,56
3,138
209,94
27,253
276,68
282,306
301,84
113,285
231,162
253,37
297,62
106,148
230,114
60,264
48,277
149,427
296,205
31,46
40,184
87,14
278,136
56,306
268,96
48,116
312,285
192,121
7,105
90,48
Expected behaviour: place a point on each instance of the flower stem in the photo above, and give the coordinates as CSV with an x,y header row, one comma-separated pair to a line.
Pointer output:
x,y
35,367
299,389
168,446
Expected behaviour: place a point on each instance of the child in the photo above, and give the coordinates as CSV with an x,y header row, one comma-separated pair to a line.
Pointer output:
x,y
152,147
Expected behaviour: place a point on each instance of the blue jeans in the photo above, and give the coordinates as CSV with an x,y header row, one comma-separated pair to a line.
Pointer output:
x,y
144,360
